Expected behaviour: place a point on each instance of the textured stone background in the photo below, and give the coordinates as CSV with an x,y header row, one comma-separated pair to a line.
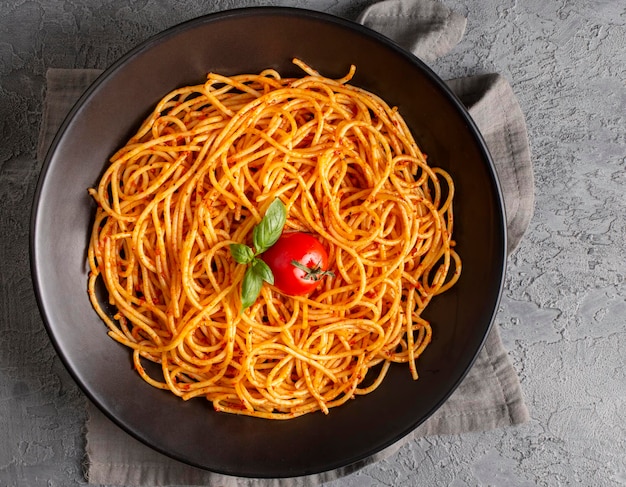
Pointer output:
x,y
562,314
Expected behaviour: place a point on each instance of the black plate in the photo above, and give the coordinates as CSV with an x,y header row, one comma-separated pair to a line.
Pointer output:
x,y
232,42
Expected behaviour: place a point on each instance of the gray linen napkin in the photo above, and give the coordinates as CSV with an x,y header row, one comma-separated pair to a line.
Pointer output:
x,y
490,396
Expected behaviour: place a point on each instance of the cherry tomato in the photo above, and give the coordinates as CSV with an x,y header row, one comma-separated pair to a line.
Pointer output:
x,y
298,261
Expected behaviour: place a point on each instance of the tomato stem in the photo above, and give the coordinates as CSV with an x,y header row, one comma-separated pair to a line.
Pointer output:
x,y
314,273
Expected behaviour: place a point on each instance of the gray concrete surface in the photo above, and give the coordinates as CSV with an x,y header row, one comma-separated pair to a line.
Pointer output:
x,y
562,314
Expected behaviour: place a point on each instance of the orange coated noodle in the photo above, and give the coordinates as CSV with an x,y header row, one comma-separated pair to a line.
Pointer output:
x,y
198,176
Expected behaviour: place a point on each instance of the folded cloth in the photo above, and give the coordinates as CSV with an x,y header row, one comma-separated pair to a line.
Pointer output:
x,y
425,27
490,395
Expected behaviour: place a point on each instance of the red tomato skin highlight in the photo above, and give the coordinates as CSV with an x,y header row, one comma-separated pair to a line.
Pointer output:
x,y
301,247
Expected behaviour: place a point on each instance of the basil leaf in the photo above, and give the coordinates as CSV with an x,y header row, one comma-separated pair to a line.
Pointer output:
x,y
241,253
269,229
264,235
250,288
263,270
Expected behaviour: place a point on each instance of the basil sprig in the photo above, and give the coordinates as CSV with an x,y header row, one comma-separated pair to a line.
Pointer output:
x,y
265,234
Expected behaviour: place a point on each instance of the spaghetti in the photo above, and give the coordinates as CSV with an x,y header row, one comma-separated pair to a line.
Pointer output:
x,y
198,176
